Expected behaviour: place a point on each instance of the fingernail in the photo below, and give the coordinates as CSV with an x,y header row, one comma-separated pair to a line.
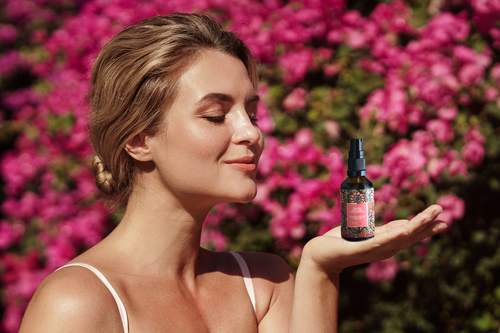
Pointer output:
x,y
440,227
436,213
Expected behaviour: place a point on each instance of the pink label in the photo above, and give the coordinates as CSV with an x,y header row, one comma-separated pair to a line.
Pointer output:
x,y
357,215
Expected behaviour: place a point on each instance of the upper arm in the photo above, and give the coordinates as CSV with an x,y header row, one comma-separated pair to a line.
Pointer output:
x,y
71,300
274,285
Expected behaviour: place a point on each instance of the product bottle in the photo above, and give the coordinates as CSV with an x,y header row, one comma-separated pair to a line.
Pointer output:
x,y
356,197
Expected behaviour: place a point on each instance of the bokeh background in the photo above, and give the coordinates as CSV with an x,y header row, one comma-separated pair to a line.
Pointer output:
x,y
417,79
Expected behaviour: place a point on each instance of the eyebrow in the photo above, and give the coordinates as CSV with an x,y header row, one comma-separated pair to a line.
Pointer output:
x,y
225,98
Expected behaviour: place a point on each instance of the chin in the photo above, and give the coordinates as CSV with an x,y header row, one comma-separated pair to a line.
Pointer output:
x,y
246,200
244,197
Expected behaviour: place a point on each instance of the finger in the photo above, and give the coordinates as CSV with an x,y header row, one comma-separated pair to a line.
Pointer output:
x,y
398,237
424,218
428,231
404,238
391,225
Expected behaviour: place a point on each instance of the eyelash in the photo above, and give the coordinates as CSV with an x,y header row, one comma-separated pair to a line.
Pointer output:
x,y
217,120
220,120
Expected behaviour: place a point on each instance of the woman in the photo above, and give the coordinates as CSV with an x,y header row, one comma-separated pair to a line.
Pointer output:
x,y
174,130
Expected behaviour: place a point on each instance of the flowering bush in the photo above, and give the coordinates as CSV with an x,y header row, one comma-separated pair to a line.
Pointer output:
x,y
418,80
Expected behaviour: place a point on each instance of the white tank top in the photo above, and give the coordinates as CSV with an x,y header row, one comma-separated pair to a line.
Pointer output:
x,y
247,279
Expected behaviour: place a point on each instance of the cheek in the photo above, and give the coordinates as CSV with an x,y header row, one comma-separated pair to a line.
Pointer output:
x,y
197,145
209,144
191,158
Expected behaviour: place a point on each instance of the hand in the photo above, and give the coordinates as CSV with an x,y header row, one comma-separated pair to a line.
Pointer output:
x,y
330,253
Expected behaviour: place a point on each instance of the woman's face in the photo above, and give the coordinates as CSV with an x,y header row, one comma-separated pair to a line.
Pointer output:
x,y
211,145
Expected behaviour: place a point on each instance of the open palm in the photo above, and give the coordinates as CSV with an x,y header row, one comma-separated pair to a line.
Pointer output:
x,y
331,253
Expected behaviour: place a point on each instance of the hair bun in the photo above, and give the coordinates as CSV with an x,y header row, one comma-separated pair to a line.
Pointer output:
x,y
103,178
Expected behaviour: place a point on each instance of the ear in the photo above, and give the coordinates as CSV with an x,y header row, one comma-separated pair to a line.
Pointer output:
x,y
137,147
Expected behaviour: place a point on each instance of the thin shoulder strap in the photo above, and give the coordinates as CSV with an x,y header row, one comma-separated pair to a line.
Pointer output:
x,y
247,278
121,307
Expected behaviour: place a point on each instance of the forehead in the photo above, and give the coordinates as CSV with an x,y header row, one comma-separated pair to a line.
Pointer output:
x,y
216,72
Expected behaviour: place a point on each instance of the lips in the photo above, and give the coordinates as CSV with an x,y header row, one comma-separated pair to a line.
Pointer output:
x,y
245,163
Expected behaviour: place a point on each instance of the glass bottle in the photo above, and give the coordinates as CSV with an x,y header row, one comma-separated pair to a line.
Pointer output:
x,y
356,197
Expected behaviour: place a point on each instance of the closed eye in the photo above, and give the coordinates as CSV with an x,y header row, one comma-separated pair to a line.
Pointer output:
x,y
217,120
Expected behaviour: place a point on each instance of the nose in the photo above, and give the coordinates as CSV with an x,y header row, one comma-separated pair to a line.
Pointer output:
x,y
245,131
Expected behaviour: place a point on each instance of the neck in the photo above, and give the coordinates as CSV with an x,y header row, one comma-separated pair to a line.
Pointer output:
x,y
160,236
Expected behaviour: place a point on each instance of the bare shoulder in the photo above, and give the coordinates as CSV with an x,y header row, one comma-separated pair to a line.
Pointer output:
x,y
268,266
72,299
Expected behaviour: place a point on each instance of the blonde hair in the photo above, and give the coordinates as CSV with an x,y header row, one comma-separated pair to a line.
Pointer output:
x,y
135,80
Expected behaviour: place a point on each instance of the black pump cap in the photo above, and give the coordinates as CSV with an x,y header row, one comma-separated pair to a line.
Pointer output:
x,y
356,161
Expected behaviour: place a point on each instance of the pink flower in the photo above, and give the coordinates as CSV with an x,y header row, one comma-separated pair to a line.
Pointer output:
x,y
20,98
269,156
22,276
464,99
325,53
404,159
386,194
464,54
436,166
304,138
296,63
12,318
490,94
295,100
25,208
495,73
10,62
383,270
440,69
395,16
375,171
332,129
263,191
331,69
353,18
330,217
372,66
453,208
355,38
430,91
474,134
416,115
450,81
18,167
446,28
215,238
39,36
266,122
289,151
473,152
9,233
59,251
471,73
447,113
441,130
298,231
458,167
8,33
485,13
334,36
310,189
87,226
